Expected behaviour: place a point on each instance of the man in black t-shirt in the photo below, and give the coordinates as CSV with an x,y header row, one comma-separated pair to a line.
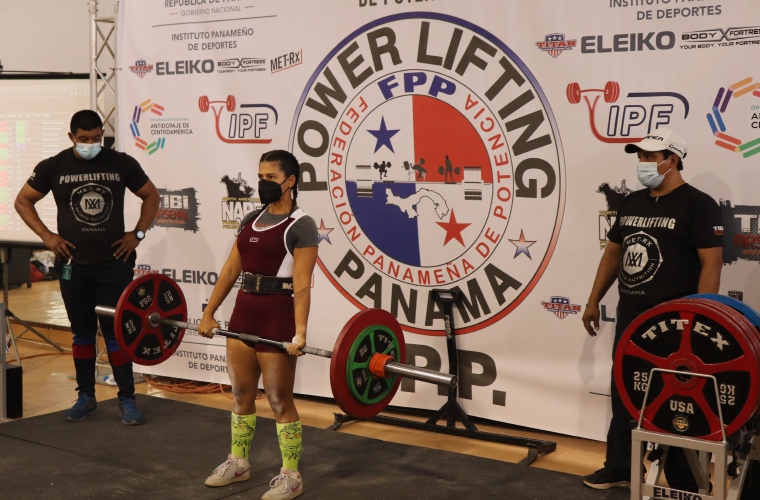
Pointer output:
x,y
95,256
665,244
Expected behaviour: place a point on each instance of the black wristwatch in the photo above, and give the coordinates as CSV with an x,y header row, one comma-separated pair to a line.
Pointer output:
x,y
139,234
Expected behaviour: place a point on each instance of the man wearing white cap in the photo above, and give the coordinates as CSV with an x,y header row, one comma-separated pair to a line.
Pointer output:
x,y
678,229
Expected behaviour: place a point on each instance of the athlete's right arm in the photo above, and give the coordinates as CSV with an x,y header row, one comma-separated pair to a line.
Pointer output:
x,y
24,205
227,278
606,275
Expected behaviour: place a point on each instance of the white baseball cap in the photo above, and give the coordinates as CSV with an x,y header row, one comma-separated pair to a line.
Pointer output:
x,y
660,140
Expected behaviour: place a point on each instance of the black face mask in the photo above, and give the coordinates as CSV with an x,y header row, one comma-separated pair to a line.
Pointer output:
x,y
270,191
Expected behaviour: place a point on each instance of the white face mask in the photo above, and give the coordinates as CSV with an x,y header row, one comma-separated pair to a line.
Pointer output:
x,y
648,175
88,151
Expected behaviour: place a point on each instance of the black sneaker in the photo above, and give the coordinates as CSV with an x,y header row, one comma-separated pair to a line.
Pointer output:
x,y
604,479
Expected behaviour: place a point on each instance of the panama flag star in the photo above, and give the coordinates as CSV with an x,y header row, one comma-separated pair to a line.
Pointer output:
x,y
522,245
383,136
453,229
324,232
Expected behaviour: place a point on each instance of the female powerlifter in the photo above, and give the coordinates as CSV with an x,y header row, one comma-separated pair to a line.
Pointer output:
x,y
276,250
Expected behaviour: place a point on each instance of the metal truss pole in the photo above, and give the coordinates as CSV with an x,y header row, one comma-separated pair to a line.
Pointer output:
x,y
103,67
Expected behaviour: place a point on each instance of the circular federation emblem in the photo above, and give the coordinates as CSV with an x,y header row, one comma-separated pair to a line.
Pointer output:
x,y
681,423
430,159
92,204
641,259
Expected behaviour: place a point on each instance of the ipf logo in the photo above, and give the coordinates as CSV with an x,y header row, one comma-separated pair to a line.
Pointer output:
x,y
252,127
435,161
631,121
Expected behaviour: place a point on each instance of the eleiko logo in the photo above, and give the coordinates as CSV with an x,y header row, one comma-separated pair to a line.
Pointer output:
x,y
561,307
633,120
718,125
628,42
141,68
554,44
443,169
241,125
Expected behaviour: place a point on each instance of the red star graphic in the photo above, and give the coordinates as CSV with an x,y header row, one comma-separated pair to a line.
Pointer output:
x,y
453,229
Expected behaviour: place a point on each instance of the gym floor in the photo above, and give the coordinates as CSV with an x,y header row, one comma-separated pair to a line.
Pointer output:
x,y
48,388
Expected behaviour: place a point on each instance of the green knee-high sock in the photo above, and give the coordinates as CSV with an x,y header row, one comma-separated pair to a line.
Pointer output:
x,y
243,427
289,437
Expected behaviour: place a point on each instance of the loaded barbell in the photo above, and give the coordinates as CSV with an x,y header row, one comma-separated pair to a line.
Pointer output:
x,y
366,363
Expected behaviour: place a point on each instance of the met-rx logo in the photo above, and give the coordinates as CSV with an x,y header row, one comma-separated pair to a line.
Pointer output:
x,y
554,44
430,156
141,68
632,119
251,125
641,259
561,307
92,204
286,61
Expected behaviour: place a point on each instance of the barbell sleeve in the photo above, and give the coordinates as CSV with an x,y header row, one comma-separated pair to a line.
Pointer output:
x,y
421,374
403,370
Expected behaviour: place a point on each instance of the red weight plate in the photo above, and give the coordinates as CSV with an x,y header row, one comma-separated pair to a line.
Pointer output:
x,y
230,103
203,104
687,335
348,335
574,93
142,343
727,393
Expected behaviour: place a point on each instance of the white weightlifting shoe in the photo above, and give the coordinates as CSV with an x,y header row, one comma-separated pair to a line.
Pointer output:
x,y
233,470
285,486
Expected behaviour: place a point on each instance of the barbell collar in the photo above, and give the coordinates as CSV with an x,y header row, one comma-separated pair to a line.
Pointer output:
x,y
421,374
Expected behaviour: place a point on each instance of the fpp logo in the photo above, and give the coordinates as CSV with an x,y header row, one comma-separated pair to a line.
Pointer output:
x,y
250,127
92,204
430,156
238,202
632,120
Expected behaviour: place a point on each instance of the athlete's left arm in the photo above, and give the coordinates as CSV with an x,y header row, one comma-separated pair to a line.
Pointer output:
x,y
150,200
712,264
304,260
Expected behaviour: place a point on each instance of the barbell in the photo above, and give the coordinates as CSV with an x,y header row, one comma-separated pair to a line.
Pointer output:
x,y
366,363
706,334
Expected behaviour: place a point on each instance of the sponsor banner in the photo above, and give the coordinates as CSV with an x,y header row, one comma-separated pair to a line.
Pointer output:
x,y
469,145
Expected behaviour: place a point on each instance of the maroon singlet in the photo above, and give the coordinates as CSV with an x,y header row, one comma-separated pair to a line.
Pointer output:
x,y
264,251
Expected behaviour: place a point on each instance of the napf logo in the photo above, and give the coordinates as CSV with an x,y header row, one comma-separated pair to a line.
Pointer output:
x,y
554,44
632,120
422,176
250,127
561,307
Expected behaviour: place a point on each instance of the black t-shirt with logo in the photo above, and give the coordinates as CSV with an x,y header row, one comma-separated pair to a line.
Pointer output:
x,y
89,195
659,238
